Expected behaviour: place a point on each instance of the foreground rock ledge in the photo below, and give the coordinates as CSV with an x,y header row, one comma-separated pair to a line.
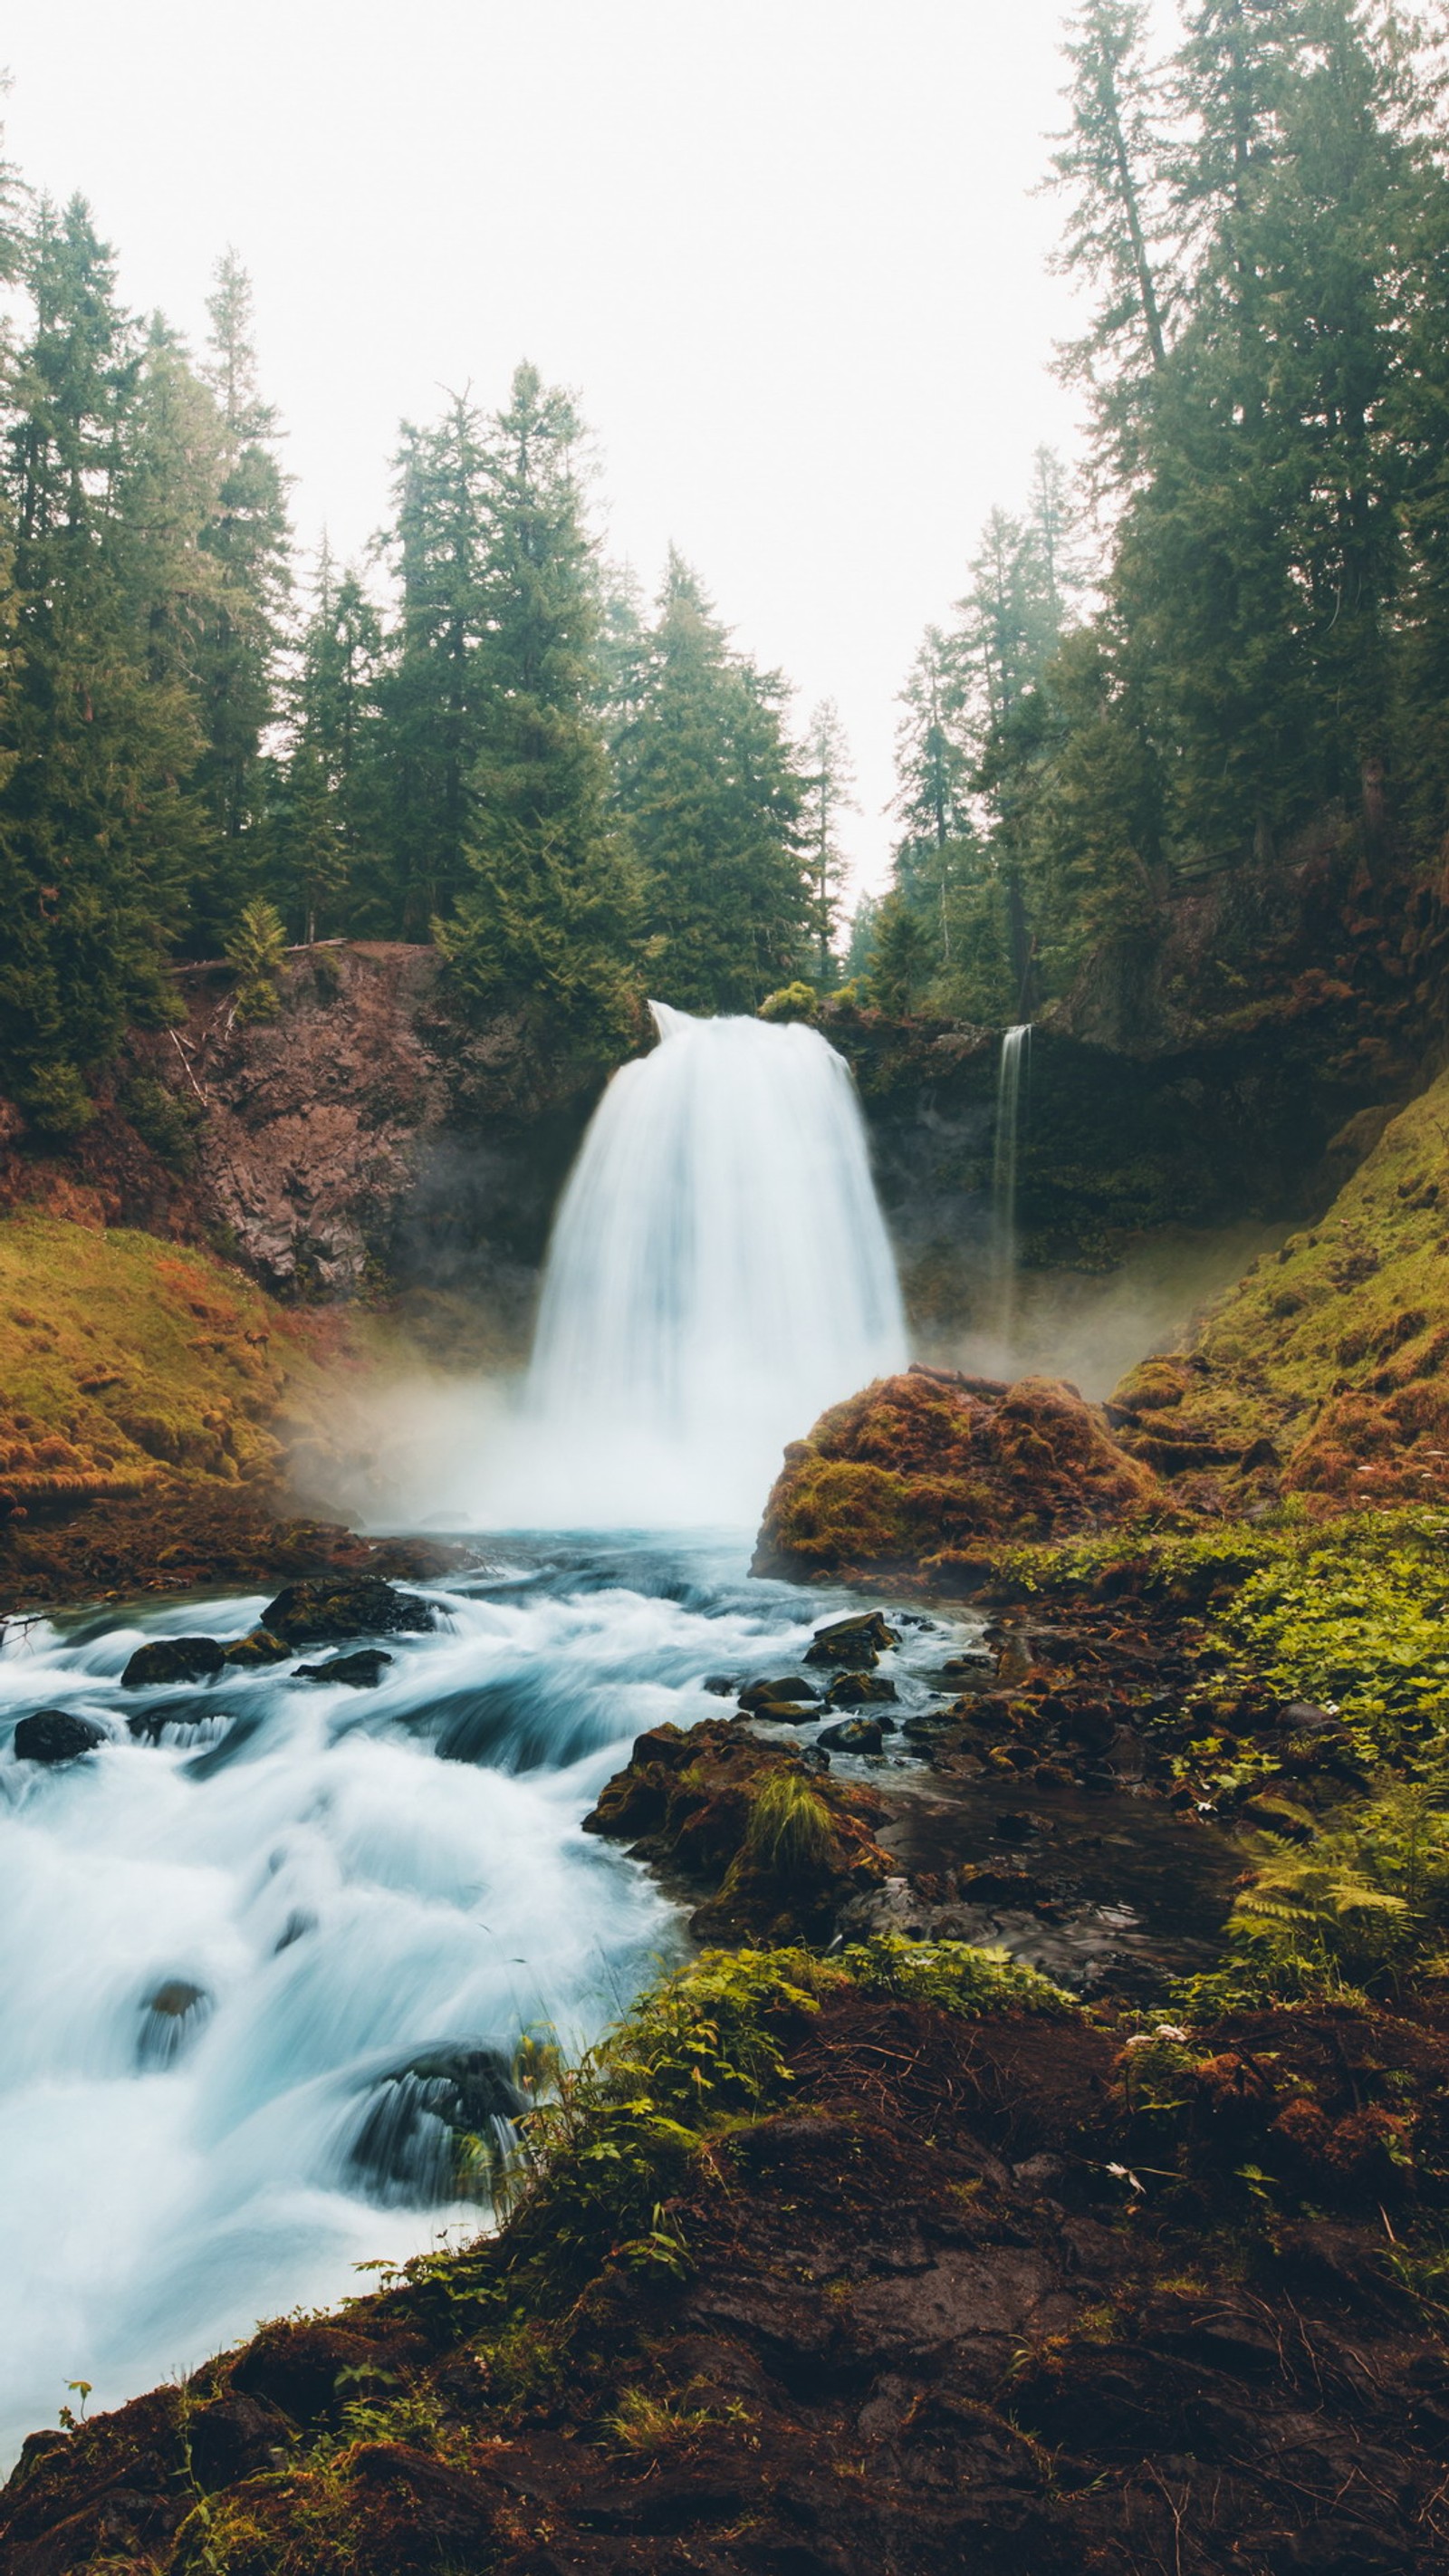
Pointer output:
x,y
918,1473
929,2290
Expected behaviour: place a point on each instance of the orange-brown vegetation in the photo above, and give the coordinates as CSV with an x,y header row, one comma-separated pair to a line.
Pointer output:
x,y
918,1471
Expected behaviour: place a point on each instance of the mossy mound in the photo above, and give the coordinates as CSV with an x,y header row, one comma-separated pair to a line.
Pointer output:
x,y
149,1397
124,1359
778,1849
1326,1370
919,1471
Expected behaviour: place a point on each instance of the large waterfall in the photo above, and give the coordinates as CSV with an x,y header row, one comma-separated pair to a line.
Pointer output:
x,y
719,1273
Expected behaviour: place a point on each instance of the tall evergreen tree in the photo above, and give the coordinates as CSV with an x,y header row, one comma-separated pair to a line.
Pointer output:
x,y
95,827
329,863
829,793
249,540
432,691
1110,162
713,794
550,908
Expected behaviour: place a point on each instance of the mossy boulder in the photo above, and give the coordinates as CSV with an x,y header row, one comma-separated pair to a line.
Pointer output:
x,y
919,1472
173,1659
775,1846
330,1610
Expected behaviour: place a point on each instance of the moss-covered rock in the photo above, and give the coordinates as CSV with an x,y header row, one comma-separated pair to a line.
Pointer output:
x,y
918,1473
778,1848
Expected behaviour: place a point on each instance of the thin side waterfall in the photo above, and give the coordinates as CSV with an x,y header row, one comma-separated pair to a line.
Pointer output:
x,y
1015,1055
719,1273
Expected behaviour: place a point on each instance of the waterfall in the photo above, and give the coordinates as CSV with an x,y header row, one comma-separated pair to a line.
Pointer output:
x,y
719,1273
1015,1053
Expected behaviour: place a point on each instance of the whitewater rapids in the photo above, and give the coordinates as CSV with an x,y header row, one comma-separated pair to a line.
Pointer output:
x,y
346,1879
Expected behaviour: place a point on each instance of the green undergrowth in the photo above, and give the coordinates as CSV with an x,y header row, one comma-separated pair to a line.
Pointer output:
x,y
1347,1613
1347,1886
610,2143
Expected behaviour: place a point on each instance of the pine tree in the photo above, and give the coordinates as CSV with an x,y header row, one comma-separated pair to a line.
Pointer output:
x,y
96,830
432,689
933,760
829,793
249,540
330,868
550,909
712,795
1111,163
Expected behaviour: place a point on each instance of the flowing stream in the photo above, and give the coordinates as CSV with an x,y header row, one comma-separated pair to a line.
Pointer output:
x,y
253,1941
269,1948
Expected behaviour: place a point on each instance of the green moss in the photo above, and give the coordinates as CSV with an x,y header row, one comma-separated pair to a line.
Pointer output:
x,y
1335,1351
977,1985
125,1361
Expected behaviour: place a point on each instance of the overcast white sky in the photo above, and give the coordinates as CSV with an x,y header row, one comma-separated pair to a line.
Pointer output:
x,y
786,252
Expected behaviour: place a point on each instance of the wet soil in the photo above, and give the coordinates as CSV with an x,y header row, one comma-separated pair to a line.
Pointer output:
x,y
191,1539
1109,1890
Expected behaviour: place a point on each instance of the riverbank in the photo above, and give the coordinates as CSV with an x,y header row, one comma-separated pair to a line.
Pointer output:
x,y
893,2262
897,2254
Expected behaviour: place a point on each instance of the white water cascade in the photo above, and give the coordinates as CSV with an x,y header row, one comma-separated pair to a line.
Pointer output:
x,y
1015,1055
719,1273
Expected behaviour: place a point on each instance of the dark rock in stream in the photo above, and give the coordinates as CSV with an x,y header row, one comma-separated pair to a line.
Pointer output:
x,y
173,1659
171,2018
362,1671
52,1735
855,1642
855,1735
437,2127
258,1646
791,1690
859,1690
327,1612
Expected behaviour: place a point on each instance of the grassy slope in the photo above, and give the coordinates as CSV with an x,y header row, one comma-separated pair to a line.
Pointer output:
x,y
1328,1364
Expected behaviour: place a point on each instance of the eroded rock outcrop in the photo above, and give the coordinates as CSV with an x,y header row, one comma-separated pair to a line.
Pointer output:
x,y
918,1471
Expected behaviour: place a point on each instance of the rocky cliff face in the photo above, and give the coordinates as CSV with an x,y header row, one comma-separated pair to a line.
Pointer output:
x,y
363,1138
366,1139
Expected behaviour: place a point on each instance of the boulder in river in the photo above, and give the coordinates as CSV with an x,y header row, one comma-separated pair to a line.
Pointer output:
x,y
438,2127
791,1688
171,2018
258,1646
857,1690
856,1641
855,1735
173,1659
52,1735
326,1612
362,1671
